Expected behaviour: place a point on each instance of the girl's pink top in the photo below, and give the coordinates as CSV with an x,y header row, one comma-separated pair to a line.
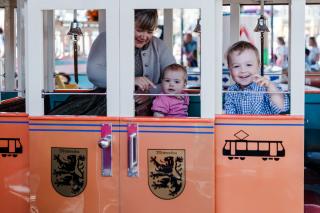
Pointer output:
x,y
171,106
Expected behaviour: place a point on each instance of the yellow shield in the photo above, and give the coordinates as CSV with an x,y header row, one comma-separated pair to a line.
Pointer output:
x,y
166,169
69,170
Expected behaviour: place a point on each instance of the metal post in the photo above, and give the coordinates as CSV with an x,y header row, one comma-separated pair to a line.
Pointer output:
x,y
74,32
75,58
181,29
75,50
262,39
262,53
272,36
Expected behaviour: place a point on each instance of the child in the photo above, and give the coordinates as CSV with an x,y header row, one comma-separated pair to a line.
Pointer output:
x,y
173,82
252,93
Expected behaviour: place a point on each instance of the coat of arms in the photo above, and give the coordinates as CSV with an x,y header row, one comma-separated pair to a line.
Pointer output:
x,y
166,172
69,170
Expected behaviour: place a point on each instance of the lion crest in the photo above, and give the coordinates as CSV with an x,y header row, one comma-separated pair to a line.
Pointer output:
x,y
69,170
166,173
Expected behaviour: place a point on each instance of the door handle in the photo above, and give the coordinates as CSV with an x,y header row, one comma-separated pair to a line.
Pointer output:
x,y
105,143
133,151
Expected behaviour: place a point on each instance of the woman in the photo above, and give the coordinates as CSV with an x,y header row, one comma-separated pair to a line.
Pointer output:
x,y
313,56
151,57
282,54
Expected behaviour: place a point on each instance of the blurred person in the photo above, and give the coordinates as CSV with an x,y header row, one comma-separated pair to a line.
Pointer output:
x,y
190,50
313,57
307,65
1,43
282,53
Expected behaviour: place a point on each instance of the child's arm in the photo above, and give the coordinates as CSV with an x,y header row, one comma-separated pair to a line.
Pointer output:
x,y
160,106
158,114
229,105
276,97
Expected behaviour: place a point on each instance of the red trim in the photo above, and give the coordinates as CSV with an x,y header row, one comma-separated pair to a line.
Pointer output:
x,y
312,92
13,114
72,90
154,119
10,100
74,118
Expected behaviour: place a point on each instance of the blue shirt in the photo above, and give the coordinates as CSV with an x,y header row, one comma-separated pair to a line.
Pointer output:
x,y
248,101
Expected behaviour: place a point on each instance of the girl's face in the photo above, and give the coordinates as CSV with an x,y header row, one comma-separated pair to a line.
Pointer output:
x,y
173,82
244,66
142,37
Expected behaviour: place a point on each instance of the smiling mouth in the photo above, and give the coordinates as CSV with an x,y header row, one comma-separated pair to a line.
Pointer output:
x,y
139,41
244,77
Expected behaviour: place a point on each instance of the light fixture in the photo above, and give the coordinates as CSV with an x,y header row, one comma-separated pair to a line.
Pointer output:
x,y
75,29
261,25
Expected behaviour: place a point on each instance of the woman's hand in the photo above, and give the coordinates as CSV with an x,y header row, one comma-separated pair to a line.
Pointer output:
x,y
144,83
139,99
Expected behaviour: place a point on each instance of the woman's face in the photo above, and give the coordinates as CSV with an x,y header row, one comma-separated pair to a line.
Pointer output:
x,y
311,43
142,37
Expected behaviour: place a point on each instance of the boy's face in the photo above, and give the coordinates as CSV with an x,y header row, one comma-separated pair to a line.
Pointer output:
x,y
243,67
173,82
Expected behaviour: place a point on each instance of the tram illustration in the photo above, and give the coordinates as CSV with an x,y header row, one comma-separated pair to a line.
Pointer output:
x,y
118,162
10,147
265,149
242,148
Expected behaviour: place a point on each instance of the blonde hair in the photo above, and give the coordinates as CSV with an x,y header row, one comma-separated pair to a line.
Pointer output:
x,y
241,46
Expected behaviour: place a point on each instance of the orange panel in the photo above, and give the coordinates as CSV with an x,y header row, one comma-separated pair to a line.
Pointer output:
x,y
164,146
14,160
264,171
51,139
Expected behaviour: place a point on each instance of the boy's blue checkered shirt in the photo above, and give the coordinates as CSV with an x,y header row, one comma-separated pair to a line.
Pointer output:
x,y
252,103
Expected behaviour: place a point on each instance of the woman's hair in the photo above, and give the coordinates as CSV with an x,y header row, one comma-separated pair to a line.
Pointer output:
x,y
241,46
146,19
313,42
176,68
281,40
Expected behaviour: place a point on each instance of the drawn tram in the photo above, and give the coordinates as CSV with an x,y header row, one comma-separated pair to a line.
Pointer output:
x,y
242,148
10,147
239,149
122,163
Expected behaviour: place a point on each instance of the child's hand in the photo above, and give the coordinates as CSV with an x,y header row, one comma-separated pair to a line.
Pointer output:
x,y
264,82
143,83
261,80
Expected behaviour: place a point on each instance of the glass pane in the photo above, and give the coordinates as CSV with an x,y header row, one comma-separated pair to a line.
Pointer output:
x,y
76,83
248,86
167,69
11,85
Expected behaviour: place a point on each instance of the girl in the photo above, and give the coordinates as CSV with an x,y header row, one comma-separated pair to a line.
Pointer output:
x,y
173,82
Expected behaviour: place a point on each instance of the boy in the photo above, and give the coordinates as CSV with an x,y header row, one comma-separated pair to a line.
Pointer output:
x,y
252,93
